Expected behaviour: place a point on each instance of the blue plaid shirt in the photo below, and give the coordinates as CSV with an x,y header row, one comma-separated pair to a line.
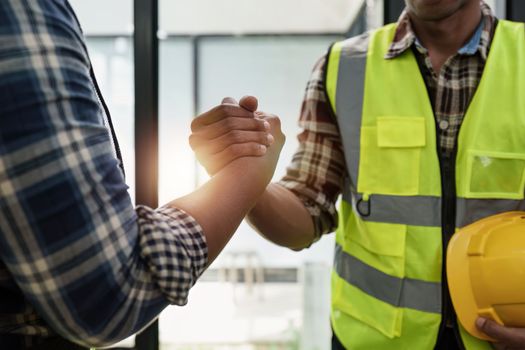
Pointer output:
x,y
76,258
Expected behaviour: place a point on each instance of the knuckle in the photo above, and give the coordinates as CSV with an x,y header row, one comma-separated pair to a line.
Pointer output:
x,y
262,125
263,137
255,124
274,120
222,108
255,148
220,111
277,120
194,124
228,100
191,141
227,110
485,326
493,330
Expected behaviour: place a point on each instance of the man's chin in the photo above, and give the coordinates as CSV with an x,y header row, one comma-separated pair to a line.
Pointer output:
x,y
435,10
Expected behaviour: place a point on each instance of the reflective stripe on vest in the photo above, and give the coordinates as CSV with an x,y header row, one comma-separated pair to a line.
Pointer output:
x,y
386,290
401,292
425,210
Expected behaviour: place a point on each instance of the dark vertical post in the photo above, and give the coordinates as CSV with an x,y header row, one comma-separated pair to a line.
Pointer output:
x,y
146,53
392,10
516,10
358,26
196,41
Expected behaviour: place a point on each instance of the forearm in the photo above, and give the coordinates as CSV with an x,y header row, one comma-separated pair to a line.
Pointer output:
x,y
281,217
220,205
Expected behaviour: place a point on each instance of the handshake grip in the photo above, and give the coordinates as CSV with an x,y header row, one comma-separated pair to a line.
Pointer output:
x,y
234,130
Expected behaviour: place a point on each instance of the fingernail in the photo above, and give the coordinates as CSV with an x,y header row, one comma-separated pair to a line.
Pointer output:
x,y
480,322
262,149
270,139
267,125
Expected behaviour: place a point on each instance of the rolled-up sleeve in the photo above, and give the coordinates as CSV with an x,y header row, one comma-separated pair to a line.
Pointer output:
x,y
94,267
318,169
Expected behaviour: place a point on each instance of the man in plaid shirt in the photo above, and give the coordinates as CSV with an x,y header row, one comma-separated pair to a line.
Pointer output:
x,y
450,41
77,260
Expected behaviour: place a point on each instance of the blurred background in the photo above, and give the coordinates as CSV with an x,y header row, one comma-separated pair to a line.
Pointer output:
x,y
255,295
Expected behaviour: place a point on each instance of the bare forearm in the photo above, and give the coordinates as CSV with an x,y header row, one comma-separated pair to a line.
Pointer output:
x,y
220,205
281,217
249,143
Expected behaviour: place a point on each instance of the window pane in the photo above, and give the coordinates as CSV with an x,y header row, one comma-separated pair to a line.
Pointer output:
x,y
255,295
177,165
112,59
260,294
276,70
105,18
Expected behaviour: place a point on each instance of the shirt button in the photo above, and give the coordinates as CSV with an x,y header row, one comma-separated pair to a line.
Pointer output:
x,y
443,125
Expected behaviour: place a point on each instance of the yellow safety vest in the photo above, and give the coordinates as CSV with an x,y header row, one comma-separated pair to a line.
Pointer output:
x,y
402,201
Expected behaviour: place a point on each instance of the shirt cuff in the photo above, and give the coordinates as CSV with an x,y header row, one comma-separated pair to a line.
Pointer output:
x,y
174,246
322,211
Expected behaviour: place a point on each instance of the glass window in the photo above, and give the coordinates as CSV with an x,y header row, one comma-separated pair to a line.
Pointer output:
x,y
260,294
112,59
256,295
257,291
177,164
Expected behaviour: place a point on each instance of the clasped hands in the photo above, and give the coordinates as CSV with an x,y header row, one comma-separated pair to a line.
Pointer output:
x,y
234,130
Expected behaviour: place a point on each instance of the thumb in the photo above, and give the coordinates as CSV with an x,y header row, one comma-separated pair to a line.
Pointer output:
x,y
249,103
494,330
229,100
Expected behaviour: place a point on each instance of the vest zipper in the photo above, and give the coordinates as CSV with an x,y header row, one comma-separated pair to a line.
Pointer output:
x,y
448,226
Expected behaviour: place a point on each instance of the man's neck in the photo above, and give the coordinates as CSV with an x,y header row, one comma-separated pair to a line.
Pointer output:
x,y
443,38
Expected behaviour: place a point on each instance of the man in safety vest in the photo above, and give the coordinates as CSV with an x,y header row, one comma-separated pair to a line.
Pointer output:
x,y
420,126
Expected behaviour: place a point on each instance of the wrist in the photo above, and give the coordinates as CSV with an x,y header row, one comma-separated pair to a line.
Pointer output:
x,y
249,174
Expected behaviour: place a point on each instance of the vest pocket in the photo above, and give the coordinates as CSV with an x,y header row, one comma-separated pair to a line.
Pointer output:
x,y
374,313
379,245
495,175
390,156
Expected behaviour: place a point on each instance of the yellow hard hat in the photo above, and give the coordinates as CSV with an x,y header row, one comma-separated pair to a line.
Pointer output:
x,y
486,271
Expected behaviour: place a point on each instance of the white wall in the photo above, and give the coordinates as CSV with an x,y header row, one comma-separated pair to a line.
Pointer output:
x,y
101,17
104,16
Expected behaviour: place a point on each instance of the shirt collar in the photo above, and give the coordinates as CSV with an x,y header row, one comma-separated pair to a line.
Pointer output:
x,y
405,37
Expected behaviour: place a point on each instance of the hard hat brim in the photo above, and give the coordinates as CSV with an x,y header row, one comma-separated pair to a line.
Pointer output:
x,y
460,285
